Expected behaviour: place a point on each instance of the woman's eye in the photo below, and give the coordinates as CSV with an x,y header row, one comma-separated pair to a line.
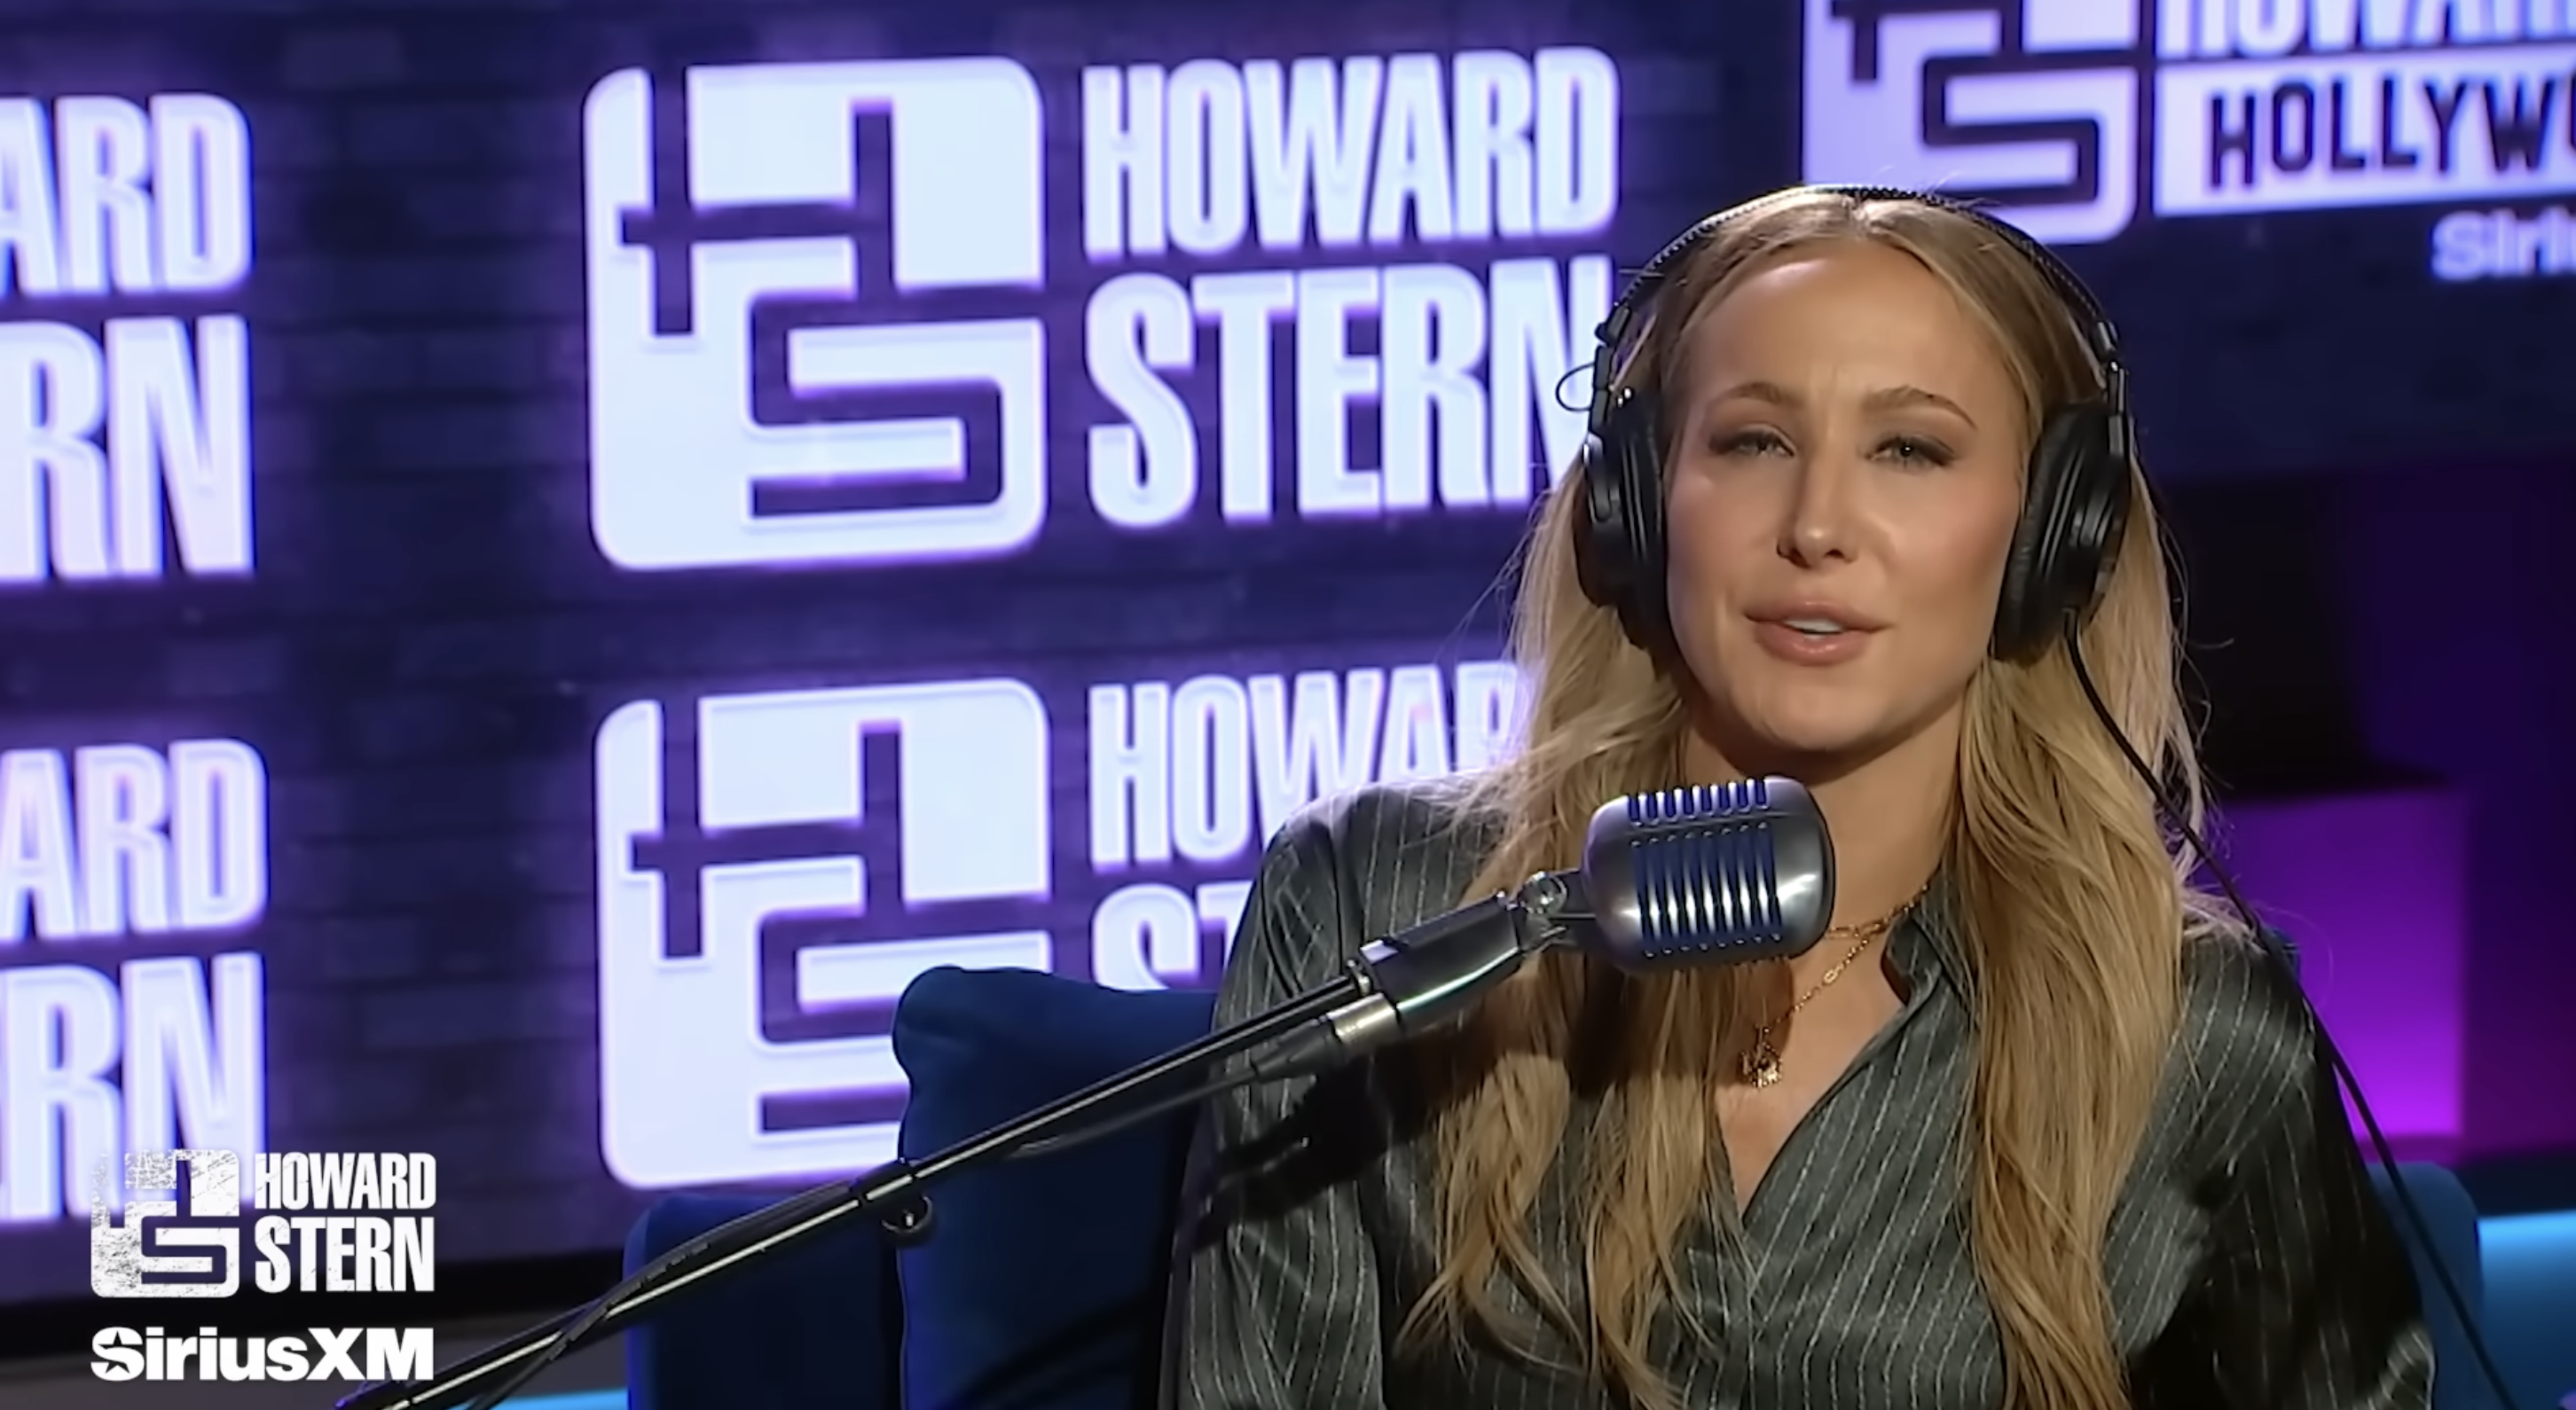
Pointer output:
x,y
1751,443
1913,450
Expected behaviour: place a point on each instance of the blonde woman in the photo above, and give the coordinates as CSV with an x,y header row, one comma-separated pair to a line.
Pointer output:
x,y
2032,1127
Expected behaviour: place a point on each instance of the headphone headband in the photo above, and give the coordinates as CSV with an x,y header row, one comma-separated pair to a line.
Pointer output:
x,y
2101,340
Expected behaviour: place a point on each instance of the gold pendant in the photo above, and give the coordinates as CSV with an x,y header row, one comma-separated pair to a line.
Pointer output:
x,y
1762,1063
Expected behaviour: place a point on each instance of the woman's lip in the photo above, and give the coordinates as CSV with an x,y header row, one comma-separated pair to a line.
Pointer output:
x,y
1811,611
1809,648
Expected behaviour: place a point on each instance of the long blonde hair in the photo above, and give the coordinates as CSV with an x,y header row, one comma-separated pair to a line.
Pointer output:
x,y
2069,899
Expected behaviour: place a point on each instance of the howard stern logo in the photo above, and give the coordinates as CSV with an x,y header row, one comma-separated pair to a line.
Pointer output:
x,y
764,861
2076,118
833,321
181,1237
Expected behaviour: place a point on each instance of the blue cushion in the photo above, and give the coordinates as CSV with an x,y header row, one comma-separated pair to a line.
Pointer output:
x,y
2452,1219
750,1336
1042,1282
2531,1304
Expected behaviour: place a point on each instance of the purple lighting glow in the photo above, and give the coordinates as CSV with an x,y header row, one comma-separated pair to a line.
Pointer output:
x,y
2373,888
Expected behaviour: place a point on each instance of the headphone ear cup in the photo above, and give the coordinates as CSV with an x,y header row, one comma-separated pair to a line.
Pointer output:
x,y
1638,432
1602,564
1627,518
2074,510
2097,513
1619,550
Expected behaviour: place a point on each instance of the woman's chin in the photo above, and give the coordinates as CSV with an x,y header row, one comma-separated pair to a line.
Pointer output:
x,y
1819,753
1797,751
1799,723
1803,736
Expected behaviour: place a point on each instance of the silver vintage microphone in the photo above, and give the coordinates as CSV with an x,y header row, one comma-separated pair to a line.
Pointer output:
x,y
1729,874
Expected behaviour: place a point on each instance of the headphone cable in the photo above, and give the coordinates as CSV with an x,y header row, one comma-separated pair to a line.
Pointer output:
x,y
2274,944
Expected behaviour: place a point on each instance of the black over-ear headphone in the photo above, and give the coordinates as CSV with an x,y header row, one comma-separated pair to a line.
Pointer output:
x,y
2075,502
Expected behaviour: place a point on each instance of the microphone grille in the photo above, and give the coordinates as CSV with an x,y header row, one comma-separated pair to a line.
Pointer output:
x,y
1729,872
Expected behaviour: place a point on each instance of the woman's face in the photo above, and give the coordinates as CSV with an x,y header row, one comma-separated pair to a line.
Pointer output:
x,y
1844,486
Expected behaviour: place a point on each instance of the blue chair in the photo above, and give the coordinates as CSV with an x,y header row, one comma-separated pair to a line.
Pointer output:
x,y
2530,1316
1042,1285
2452,1219
814,1328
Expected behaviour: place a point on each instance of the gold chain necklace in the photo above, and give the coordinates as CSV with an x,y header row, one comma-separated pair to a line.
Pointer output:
x,y
1761,1063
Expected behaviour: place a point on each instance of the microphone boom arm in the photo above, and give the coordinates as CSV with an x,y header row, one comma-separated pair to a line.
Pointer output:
x,y
1430,976
897,1193
1394,989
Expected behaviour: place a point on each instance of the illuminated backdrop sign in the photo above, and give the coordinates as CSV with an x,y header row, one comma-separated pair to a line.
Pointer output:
x,y
777,382
125,845
2081,117
777,378
776,869
124,463
109,424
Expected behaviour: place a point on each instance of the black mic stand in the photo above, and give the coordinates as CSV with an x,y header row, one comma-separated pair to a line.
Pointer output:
x,y
897,1193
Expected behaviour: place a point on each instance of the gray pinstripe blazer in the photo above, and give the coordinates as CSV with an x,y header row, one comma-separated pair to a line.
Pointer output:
x,y
2249,1263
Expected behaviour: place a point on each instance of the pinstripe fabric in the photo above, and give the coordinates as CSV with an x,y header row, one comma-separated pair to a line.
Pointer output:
x,y
2249,1264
